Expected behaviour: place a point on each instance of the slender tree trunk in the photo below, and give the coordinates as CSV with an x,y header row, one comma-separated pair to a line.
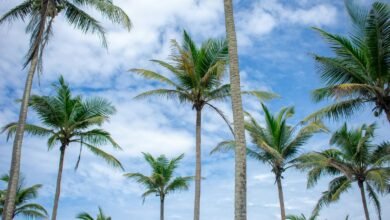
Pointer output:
x,y
58,186
198,164
9,205
238,116
162,207
361,186
281,198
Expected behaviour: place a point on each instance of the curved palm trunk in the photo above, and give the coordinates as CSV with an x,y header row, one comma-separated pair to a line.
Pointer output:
x,y
361,186
238,116
281,198
9,206
198,164
162,207
58,186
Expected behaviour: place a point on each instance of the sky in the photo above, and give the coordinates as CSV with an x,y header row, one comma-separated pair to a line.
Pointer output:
x,y
275,43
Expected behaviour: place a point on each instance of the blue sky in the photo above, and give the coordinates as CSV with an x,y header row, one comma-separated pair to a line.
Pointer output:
x,y
275,43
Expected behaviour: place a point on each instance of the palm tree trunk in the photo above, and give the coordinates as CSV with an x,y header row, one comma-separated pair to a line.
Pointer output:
x,y
162,208
9,205
281,198
238,116
198,164
58,186
361,186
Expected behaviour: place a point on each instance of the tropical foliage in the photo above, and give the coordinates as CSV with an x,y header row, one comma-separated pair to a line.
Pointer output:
x,y
66,120
86,216
197,79
276,143
23,207
41,14
355,158
162,181
358,75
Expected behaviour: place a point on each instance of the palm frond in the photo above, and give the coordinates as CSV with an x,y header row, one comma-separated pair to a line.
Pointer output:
x,y
33,130
148,74
336,111
84,22
110,159
224,147
374,198
178,184
21,11
106,7
261,95
84,216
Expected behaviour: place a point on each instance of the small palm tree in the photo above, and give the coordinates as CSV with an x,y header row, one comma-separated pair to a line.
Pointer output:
x,y
161,182
359,73
67,120
276,143
23,196
197,80
86,216
355,159
41,14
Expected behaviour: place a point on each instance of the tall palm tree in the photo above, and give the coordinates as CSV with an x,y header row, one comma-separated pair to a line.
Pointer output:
x,y
41,14
238,116
100,216
276,143
161,182
23,196
359,73
197,80
67,120
355,159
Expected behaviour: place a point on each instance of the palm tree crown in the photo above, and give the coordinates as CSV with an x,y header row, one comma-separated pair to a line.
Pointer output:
x,y
359,73
197,73
22,205
46,10
161,182
355,159
68,120
276,143
86,216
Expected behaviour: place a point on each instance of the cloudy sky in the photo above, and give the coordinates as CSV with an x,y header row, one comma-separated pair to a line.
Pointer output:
x,y
275,43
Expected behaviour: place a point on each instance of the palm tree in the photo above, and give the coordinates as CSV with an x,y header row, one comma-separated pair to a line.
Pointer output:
x,y
42,14
161,182
358,75
86,216
238,116
276,143
197,80
355,159
69,120
23,195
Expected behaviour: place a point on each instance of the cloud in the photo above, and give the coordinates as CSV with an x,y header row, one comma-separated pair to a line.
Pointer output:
x,y
263,17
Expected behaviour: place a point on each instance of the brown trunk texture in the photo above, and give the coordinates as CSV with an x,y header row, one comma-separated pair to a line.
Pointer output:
x,y
198,165
9,205
58,186
238,116
361,186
